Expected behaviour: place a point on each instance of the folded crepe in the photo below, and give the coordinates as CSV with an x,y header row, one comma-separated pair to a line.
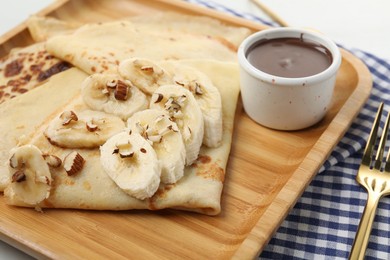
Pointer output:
x,y
100,47
198,190
22,115
25,68
43,28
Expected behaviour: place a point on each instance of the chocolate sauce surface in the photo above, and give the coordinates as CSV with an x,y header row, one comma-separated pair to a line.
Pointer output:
x,y
289,57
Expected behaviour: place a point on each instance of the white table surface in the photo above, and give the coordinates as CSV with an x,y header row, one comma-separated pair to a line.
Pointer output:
x,y
353,23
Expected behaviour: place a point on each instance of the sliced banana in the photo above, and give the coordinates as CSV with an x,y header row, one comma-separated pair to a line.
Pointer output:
x,y
164,135
85,129
207,96
30,175
113,95
132,164
185,111
144,74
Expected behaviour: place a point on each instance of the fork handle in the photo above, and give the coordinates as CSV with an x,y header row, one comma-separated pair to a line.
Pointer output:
x,y
363,233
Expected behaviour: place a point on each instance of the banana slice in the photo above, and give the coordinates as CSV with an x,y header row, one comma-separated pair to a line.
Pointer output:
x,y
113,95
30,175
207,96
132,164
164,135
144,74
184,110
85,129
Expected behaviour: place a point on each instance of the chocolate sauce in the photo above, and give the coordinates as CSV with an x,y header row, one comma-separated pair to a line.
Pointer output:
x,y
289,57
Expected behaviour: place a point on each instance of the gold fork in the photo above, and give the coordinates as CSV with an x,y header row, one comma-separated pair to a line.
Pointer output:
x,y
374,175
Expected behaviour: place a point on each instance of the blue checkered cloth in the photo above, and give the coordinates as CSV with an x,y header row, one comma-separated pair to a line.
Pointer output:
x,y
323,223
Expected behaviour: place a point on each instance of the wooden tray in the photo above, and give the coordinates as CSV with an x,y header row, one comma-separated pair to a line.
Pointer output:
x,y
267,172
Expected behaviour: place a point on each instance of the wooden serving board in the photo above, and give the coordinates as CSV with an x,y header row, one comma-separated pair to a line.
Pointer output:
x,y
267,172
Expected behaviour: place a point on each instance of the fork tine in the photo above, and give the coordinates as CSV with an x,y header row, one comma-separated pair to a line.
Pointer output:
x,y
368,151
387,164
382,145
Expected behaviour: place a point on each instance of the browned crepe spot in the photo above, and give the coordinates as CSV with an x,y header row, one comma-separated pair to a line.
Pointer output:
x,y
208,169
160,194
24,69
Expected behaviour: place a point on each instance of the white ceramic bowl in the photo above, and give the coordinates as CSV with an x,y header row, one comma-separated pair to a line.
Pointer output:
x,y
287,103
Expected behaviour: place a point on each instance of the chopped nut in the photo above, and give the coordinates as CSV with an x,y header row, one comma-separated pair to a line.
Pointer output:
x,y
13,162
159,98
180,100
124,150
155,138
198,89
178,114
43,179
68,116
91,126
159,118
73,163
175,105
164,131
180,83
168,104
147,69
140,128
111,84
126,154
105,91
52,160
174,128
18,176
121,91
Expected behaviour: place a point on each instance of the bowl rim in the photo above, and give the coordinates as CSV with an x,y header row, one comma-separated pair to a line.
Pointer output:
x,y
283,32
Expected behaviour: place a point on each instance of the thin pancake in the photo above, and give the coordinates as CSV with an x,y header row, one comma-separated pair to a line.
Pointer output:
x,y
26,68
22,115
100,47
199,190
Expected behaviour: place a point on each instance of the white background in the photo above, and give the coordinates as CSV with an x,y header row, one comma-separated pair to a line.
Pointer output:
x,y
358,24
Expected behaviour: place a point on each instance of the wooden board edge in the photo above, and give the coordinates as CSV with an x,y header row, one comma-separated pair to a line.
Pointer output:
x,y
293,189
23,25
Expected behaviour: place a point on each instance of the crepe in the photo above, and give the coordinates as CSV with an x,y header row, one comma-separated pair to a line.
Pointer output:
x,y
100,47
190,24
43,28
23,114
25,68
199,190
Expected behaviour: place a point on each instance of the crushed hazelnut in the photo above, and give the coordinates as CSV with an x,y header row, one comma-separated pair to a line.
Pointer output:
x,y
124,150
126,154
73,163
43,179
121,91
159,98
198,89
91,126
52,160
68,116
111,83
18,176
13,163
147,69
